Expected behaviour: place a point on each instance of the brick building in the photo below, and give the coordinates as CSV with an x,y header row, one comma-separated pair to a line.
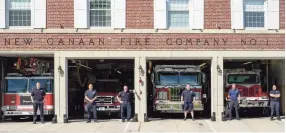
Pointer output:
x,y
142,30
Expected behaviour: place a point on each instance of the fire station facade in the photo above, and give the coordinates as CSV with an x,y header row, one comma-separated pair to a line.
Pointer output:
x,y
141,30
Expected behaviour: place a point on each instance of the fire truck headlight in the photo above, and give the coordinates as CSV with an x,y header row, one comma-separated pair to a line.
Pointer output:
x,y
4,108
157,102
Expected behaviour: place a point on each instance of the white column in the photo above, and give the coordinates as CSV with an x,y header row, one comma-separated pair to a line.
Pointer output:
x,y
220,94
137,88
61,87
56,84
214,85
143,87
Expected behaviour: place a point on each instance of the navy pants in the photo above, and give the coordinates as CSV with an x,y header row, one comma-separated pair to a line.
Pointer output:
x,y
38,105
233,104
274,105
93,108
125,106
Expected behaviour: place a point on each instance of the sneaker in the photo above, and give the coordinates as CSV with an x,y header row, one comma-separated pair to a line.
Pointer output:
x,y
271,118
193,118
129,120
95,121
122,120
185,118
278,118
34,122
42,122
238,118
88,121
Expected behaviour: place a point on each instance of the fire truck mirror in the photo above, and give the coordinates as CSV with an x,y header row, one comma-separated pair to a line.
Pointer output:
x,y
152,77
203,77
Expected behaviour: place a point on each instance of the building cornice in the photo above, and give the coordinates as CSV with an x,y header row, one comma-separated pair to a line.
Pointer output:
x,y
140,31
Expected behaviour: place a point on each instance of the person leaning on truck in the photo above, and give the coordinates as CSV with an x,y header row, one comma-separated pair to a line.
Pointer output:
x,y
188,98
234,96
274,102
90,97
37,97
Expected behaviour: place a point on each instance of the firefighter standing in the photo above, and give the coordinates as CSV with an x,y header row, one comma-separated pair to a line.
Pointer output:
x,y
37,97
274,102
90,97
124,98
188,98
234,96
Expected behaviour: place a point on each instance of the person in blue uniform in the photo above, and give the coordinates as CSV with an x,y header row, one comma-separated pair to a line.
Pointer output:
x,y
234,96
274,102
188,98
90,97
124,98
37,97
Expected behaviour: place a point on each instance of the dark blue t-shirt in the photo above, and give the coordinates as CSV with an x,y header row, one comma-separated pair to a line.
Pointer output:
x,y
188,96
276,99
38,94
91,95
233,94
125,96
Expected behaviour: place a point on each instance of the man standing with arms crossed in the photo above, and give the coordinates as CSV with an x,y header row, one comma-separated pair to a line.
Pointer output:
x,y
274,102
188,98
90,97
37,97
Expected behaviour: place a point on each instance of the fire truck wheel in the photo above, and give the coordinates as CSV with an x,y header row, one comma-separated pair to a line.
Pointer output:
x,y
15,118
266,111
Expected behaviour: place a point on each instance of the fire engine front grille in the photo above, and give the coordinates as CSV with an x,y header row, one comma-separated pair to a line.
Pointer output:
x,y
251,92
102,99
245,92
175,94
25,100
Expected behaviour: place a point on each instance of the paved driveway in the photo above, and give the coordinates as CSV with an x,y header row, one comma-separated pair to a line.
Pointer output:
x,y
156,125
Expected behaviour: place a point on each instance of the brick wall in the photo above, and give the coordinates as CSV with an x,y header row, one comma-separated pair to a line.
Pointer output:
x,y
217,12
139,14
60,14
139,41
282,14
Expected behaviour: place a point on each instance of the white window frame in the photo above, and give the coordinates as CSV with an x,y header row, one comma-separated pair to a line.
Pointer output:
x,y
176,28
265,18
97,27
8,19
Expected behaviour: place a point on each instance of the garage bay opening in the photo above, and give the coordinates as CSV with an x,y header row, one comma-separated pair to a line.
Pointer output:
x,y
254,80
19,76
108,76
167,79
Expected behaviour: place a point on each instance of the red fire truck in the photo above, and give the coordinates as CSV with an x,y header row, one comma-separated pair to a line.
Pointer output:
x,y
107,90
250,87
168,83
17,101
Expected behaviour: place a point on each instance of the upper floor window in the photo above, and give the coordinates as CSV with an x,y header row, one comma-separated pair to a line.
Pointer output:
x,y
254,13
19,12
100,13
178,13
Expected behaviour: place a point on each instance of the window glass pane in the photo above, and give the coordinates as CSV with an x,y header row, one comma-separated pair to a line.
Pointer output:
x,y
254,13
178,13
19,12
178,18
100,13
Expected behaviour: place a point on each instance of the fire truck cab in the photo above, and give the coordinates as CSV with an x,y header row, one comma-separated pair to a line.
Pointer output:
x,y
169,81
250,87
17,94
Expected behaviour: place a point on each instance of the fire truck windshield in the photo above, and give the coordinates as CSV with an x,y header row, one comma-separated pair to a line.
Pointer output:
x,y
46,84
189,78
243,78
17,85
176,78
108,87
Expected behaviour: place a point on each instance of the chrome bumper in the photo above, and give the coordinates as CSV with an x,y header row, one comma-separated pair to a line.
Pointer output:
x,y
26,113
175,107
